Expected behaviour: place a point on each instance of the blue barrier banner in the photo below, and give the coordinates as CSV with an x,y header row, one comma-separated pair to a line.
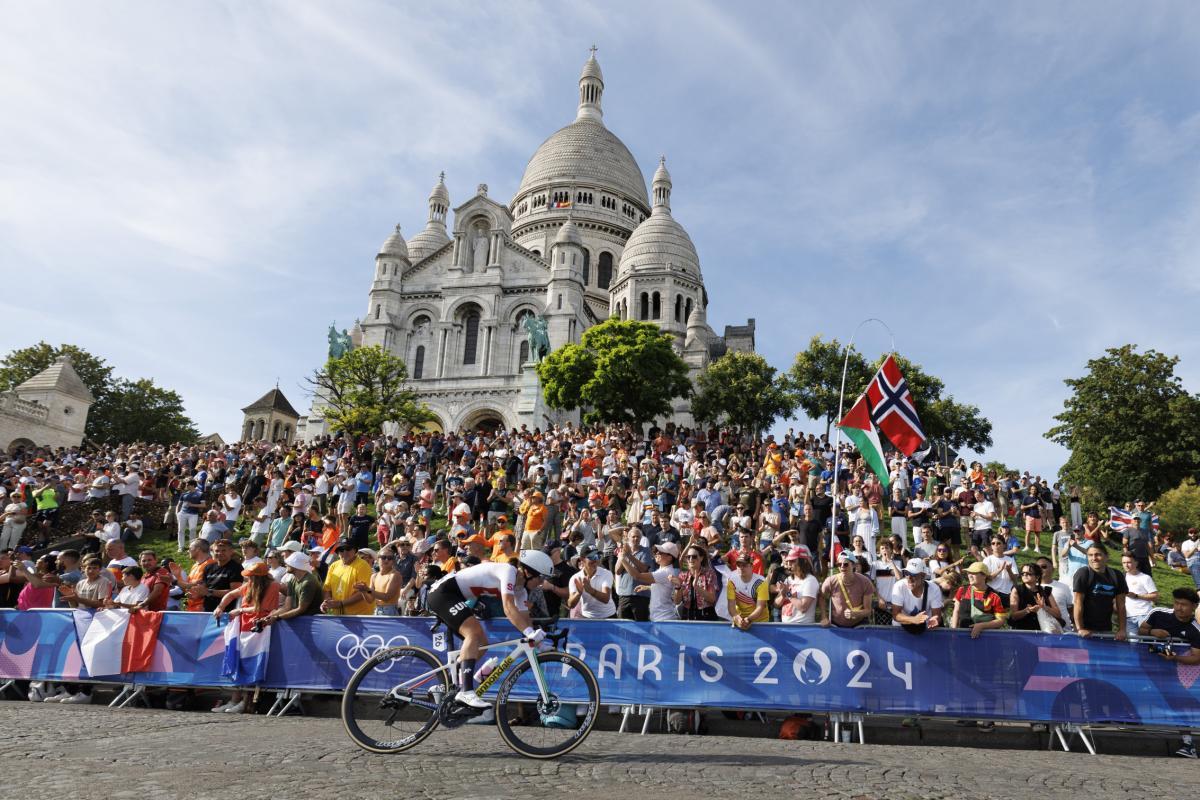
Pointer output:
x,y
1002,675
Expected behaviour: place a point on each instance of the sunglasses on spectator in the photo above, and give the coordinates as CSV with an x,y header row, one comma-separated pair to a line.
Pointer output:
x,y
387,558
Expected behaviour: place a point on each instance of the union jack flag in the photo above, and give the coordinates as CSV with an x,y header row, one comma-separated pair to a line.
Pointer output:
x,y
1119,519
893,410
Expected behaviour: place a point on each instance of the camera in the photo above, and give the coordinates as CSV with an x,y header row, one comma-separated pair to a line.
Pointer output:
x,y
1162,649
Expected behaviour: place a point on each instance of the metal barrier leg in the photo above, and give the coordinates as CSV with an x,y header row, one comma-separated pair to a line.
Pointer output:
x,y
292,703
12,684
280,700
1062,740
862,739
136,693
122,696
625,712
646,722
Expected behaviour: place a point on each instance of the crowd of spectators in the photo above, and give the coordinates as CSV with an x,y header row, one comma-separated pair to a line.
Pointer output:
x,y
657,525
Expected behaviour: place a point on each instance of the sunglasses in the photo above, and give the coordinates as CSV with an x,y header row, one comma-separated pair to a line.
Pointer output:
x,y
1025,572
387,558
692,557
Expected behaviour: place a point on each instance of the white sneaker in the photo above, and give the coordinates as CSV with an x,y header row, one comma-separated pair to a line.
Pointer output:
x,y
236,708
36,695
219,708
469,698
77,699
59,696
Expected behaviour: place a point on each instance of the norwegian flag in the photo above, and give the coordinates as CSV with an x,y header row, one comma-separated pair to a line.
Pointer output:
x,y
1119,519
892,408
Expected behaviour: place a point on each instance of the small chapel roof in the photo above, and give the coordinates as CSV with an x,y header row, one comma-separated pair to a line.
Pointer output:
x,y
273,401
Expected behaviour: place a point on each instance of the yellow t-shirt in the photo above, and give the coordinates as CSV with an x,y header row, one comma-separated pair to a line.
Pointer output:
x,y
746,595
340,580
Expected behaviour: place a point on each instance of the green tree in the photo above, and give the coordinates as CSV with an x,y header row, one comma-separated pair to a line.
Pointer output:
x,y
139,411
1179,508
1131,427
815,379
741,389
366,387
621,371
998,467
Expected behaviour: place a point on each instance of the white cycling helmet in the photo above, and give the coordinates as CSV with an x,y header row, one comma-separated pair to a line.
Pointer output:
x,y
537,561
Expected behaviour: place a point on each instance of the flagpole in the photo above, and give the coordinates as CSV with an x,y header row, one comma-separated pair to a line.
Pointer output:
x,y
837,446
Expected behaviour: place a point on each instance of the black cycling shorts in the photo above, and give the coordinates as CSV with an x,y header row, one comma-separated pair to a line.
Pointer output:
x,y
448,604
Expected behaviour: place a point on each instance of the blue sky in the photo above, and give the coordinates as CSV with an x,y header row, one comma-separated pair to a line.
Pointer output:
x,y
195,190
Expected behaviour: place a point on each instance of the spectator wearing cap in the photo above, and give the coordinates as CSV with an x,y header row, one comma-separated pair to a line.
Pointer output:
x,y
977,605
746,594
257,599
848,595
533,511
343,576
476,547
660,583
917,603
799,591
383,590
304,595
632,558
591,588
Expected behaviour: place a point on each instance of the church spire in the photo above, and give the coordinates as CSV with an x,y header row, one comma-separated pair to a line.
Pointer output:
x,y
439,201
591,88
662,186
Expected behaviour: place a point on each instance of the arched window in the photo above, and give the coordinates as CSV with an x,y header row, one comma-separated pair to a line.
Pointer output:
x,y
604,270
471,339
678,307
587,266
645,310
657,306
687,311
419,363
260,430
287,432
537,253
275,432
523,352
377,310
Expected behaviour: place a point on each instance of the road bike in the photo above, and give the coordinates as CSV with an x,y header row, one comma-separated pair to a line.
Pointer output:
x,y
545,705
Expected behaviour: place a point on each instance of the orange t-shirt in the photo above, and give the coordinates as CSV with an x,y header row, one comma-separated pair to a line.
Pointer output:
x,y
270,602
535,518
329,536
196,575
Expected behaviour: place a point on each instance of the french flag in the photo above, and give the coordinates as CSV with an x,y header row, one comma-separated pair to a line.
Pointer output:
x,y
246,654
116,641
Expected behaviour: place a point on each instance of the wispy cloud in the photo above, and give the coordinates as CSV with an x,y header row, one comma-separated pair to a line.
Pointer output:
x,y
207,183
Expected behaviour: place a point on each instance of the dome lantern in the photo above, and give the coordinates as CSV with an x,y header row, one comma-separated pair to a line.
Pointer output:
x,y
591,88
662,186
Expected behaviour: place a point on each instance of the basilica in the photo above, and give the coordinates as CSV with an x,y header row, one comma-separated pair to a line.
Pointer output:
x,y
580,241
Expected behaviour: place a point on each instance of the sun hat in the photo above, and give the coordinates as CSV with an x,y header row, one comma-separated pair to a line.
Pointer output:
x,y
299,561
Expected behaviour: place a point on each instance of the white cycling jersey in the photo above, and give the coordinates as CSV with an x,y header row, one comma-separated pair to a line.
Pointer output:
x,y
491,578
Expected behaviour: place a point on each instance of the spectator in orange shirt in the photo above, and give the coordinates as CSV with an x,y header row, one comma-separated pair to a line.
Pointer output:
x,y
329,534
534,535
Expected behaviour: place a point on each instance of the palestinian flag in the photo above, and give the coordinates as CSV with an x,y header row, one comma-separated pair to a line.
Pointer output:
x,y
858,428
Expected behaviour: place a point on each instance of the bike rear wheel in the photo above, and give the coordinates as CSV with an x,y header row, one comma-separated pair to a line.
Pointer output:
x,y
536,728
387,706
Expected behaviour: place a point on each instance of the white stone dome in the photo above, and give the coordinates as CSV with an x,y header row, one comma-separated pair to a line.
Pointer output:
x,y
569,234
586,152
660,241
431,239
394,245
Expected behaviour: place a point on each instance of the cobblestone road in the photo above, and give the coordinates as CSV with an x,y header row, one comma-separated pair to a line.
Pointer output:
x,y
90,751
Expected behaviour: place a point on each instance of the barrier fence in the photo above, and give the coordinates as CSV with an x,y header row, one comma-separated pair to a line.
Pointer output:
x,y
1003,675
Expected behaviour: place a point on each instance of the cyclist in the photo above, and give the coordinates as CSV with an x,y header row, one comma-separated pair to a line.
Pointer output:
x,y
453,599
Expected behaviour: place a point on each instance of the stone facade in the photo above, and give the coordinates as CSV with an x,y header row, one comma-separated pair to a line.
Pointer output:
x,y
581,240
48,410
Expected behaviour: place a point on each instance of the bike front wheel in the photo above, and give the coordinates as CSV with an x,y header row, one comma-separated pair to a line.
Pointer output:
x,y
554,725
391,702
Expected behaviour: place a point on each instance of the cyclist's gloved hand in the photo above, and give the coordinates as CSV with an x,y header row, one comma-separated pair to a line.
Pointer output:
x,y
534,635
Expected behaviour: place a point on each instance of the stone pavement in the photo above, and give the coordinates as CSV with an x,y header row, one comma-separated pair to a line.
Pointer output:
x,y
94,752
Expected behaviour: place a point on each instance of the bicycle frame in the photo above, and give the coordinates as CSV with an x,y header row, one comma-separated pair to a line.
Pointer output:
x,y
454,666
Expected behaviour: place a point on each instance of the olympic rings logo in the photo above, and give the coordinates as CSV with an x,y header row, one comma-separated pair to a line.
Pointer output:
x,y
351,649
